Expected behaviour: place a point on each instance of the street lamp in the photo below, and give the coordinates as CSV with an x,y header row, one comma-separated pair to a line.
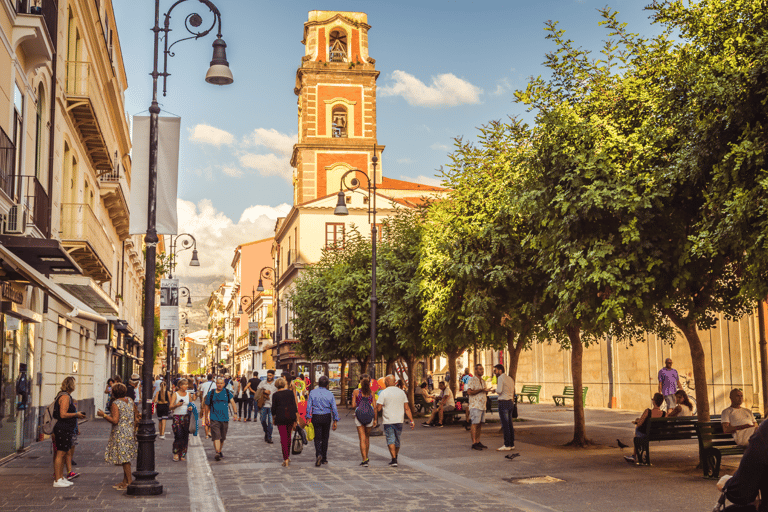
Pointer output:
x,y
341,209
248,301
180,243
145,483
270,274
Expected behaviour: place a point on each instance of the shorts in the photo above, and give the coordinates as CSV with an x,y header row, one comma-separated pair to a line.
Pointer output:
x,y
476,416
162,411
219,430
449,408
392,431
63,439
358,424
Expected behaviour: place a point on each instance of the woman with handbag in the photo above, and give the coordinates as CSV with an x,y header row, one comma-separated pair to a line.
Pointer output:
x,y
122,446
284,411
162,401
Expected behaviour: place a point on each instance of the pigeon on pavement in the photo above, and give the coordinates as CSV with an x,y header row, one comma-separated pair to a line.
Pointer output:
x,y
621,445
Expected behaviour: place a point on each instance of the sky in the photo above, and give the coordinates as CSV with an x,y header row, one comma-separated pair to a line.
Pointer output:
x,y
447,67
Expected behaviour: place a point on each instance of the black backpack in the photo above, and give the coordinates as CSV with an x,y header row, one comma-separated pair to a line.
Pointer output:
x,y
364,411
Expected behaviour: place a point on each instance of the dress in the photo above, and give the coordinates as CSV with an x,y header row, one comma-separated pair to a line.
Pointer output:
x,y
122,445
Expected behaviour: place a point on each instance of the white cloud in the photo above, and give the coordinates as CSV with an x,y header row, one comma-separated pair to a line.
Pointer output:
x,y
440,147
205,134
232,171
502,86
446,90
273,140
268,165
217,236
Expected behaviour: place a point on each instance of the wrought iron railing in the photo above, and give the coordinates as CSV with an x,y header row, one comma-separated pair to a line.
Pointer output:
x,y
35,200
7,164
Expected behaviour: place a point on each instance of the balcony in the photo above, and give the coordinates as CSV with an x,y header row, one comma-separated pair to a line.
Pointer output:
x,y
7,164
34,31
113,187
35,199
48,9
87,241
84,105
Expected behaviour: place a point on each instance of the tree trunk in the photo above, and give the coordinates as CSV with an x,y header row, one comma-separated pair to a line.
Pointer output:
x,y
343,383
579,422
698,359
411,384
514,350
390,368
452,356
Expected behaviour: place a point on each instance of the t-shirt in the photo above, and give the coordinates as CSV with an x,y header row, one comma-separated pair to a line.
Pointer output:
x,y
447,393
668,379
254,382
156,386
205,387
268,386
219,404
505,387
392,400
736,418
477,401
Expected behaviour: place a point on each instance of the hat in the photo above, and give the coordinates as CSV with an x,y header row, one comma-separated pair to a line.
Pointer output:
x,y
135,376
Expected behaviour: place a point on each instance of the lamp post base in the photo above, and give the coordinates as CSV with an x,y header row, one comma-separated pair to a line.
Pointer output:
x,y
144,483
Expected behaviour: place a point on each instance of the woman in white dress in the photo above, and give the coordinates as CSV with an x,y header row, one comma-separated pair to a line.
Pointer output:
x,y
684,406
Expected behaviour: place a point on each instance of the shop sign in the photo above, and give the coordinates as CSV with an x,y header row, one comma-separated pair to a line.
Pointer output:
x,y
10,294
253,336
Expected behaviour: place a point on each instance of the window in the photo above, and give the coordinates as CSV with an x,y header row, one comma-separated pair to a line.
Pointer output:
x,y
18,125
334,234
39,129
337,50
339,122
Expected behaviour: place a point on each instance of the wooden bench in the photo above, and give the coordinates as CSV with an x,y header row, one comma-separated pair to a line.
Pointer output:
x,y
664,429
421,404
714,443
531,391
568,395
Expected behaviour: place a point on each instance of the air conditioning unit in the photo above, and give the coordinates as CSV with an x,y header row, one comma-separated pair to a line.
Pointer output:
x,y
16,221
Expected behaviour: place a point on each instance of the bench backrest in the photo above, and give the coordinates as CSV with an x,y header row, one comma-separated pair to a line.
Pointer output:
x,y
568,391
419,398
664,429
711,433
531,388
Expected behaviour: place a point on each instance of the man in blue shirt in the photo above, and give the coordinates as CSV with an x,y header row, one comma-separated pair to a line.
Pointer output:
x,y
216,404
321,410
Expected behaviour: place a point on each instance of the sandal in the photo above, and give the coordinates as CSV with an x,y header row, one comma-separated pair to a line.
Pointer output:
x,y
120,487
183,459
175,458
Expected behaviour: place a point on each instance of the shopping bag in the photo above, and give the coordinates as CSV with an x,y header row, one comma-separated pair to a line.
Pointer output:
x,y
310,431
297,444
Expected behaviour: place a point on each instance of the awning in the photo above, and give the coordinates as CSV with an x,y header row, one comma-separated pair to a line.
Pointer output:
x,y
86,290
44,255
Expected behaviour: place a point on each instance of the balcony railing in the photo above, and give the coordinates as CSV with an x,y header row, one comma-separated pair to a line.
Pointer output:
x,y
80,227
48,9
35,200
7,164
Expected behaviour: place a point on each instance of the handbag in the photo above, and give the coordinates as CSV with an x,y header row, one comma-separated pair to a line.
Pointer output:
x,y
310,429
514,410
297,445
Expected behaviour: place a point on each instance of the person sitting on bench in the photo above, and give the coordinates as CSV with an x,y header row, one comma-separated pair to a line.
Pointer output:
x,y
684,405
423,390
445,404
751,479
642,423
737,420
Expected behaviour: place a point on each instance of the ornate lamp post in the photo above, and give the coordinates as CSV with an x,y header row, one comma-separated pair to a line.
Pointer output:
x,y
248,301
145,483
341,209
180,243
270,274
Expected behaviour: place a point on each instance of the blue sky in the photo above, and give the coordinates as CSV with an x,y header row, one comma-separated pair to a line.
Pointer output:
x,y
446,68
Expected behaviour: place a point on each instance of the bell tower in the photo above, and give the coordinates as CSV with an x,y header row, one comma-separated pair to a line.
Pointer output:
x,y
336,89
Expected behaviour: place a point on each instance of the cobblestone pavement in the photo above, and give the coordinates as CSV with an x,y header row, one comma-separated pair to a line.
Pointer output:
x,y
438,471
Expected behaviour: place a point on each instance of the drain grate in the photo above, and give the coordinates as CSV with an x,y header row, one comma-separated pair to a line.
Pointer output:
x,y
534,480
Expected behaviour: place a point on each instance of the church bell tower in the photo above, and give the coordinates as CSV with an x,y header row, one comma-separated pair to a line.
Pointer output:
x,y
336,89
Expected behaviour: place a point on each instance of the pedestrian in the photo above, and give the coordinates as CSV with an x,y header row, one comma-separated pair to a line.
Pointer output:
x,y
505,387
285,410
322,412
240,398
430,381
641,424
364,402
122,446
108,392
66,415
465,380
203,391
216,408
669,382
162,401
180,402
393,403
250,391
478,395
265,414
156,384
134,388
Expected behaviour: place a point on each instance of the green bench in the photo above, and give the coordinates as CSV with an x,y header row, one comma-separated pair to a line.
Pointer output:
x,y
714,443
531,391
421,404
568,395
664,429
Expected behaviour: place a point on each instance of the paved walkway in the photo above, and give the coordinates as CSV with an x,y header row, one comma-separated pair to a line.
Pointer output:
x,y
438,471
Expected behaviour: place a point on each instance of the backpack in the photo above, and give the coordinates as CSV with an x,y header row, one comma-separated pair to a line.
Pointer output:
x,y
260,398
364,411
49,422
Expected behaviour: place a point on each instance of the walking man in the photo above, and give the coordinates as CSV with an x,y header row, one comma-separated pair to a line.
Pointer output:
x,y
505,387
669,382
205,388
249,395
478,395
216,406
268,387
393,404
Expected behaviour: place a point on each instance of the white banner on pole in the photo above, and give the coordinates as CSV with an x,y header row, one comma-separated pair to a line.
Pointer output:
x,y
253,336
169,132
169,304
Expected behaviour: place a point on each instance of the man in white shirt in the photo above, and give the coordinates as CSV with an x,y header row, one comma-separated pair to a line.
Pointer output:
x,y
393,404
478,395
738,421
265,414
444,404
505,387
205,388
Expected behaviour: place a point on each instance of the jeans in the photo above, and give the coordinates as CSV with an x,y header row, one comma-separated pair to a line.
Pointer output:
x,y
506,409
322,423
242,407
266,421
251,407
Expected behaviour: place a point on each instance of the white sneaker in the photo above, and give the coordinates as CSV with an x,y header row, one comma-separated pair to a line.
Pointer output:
x,y
162,436
62,482
505,448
